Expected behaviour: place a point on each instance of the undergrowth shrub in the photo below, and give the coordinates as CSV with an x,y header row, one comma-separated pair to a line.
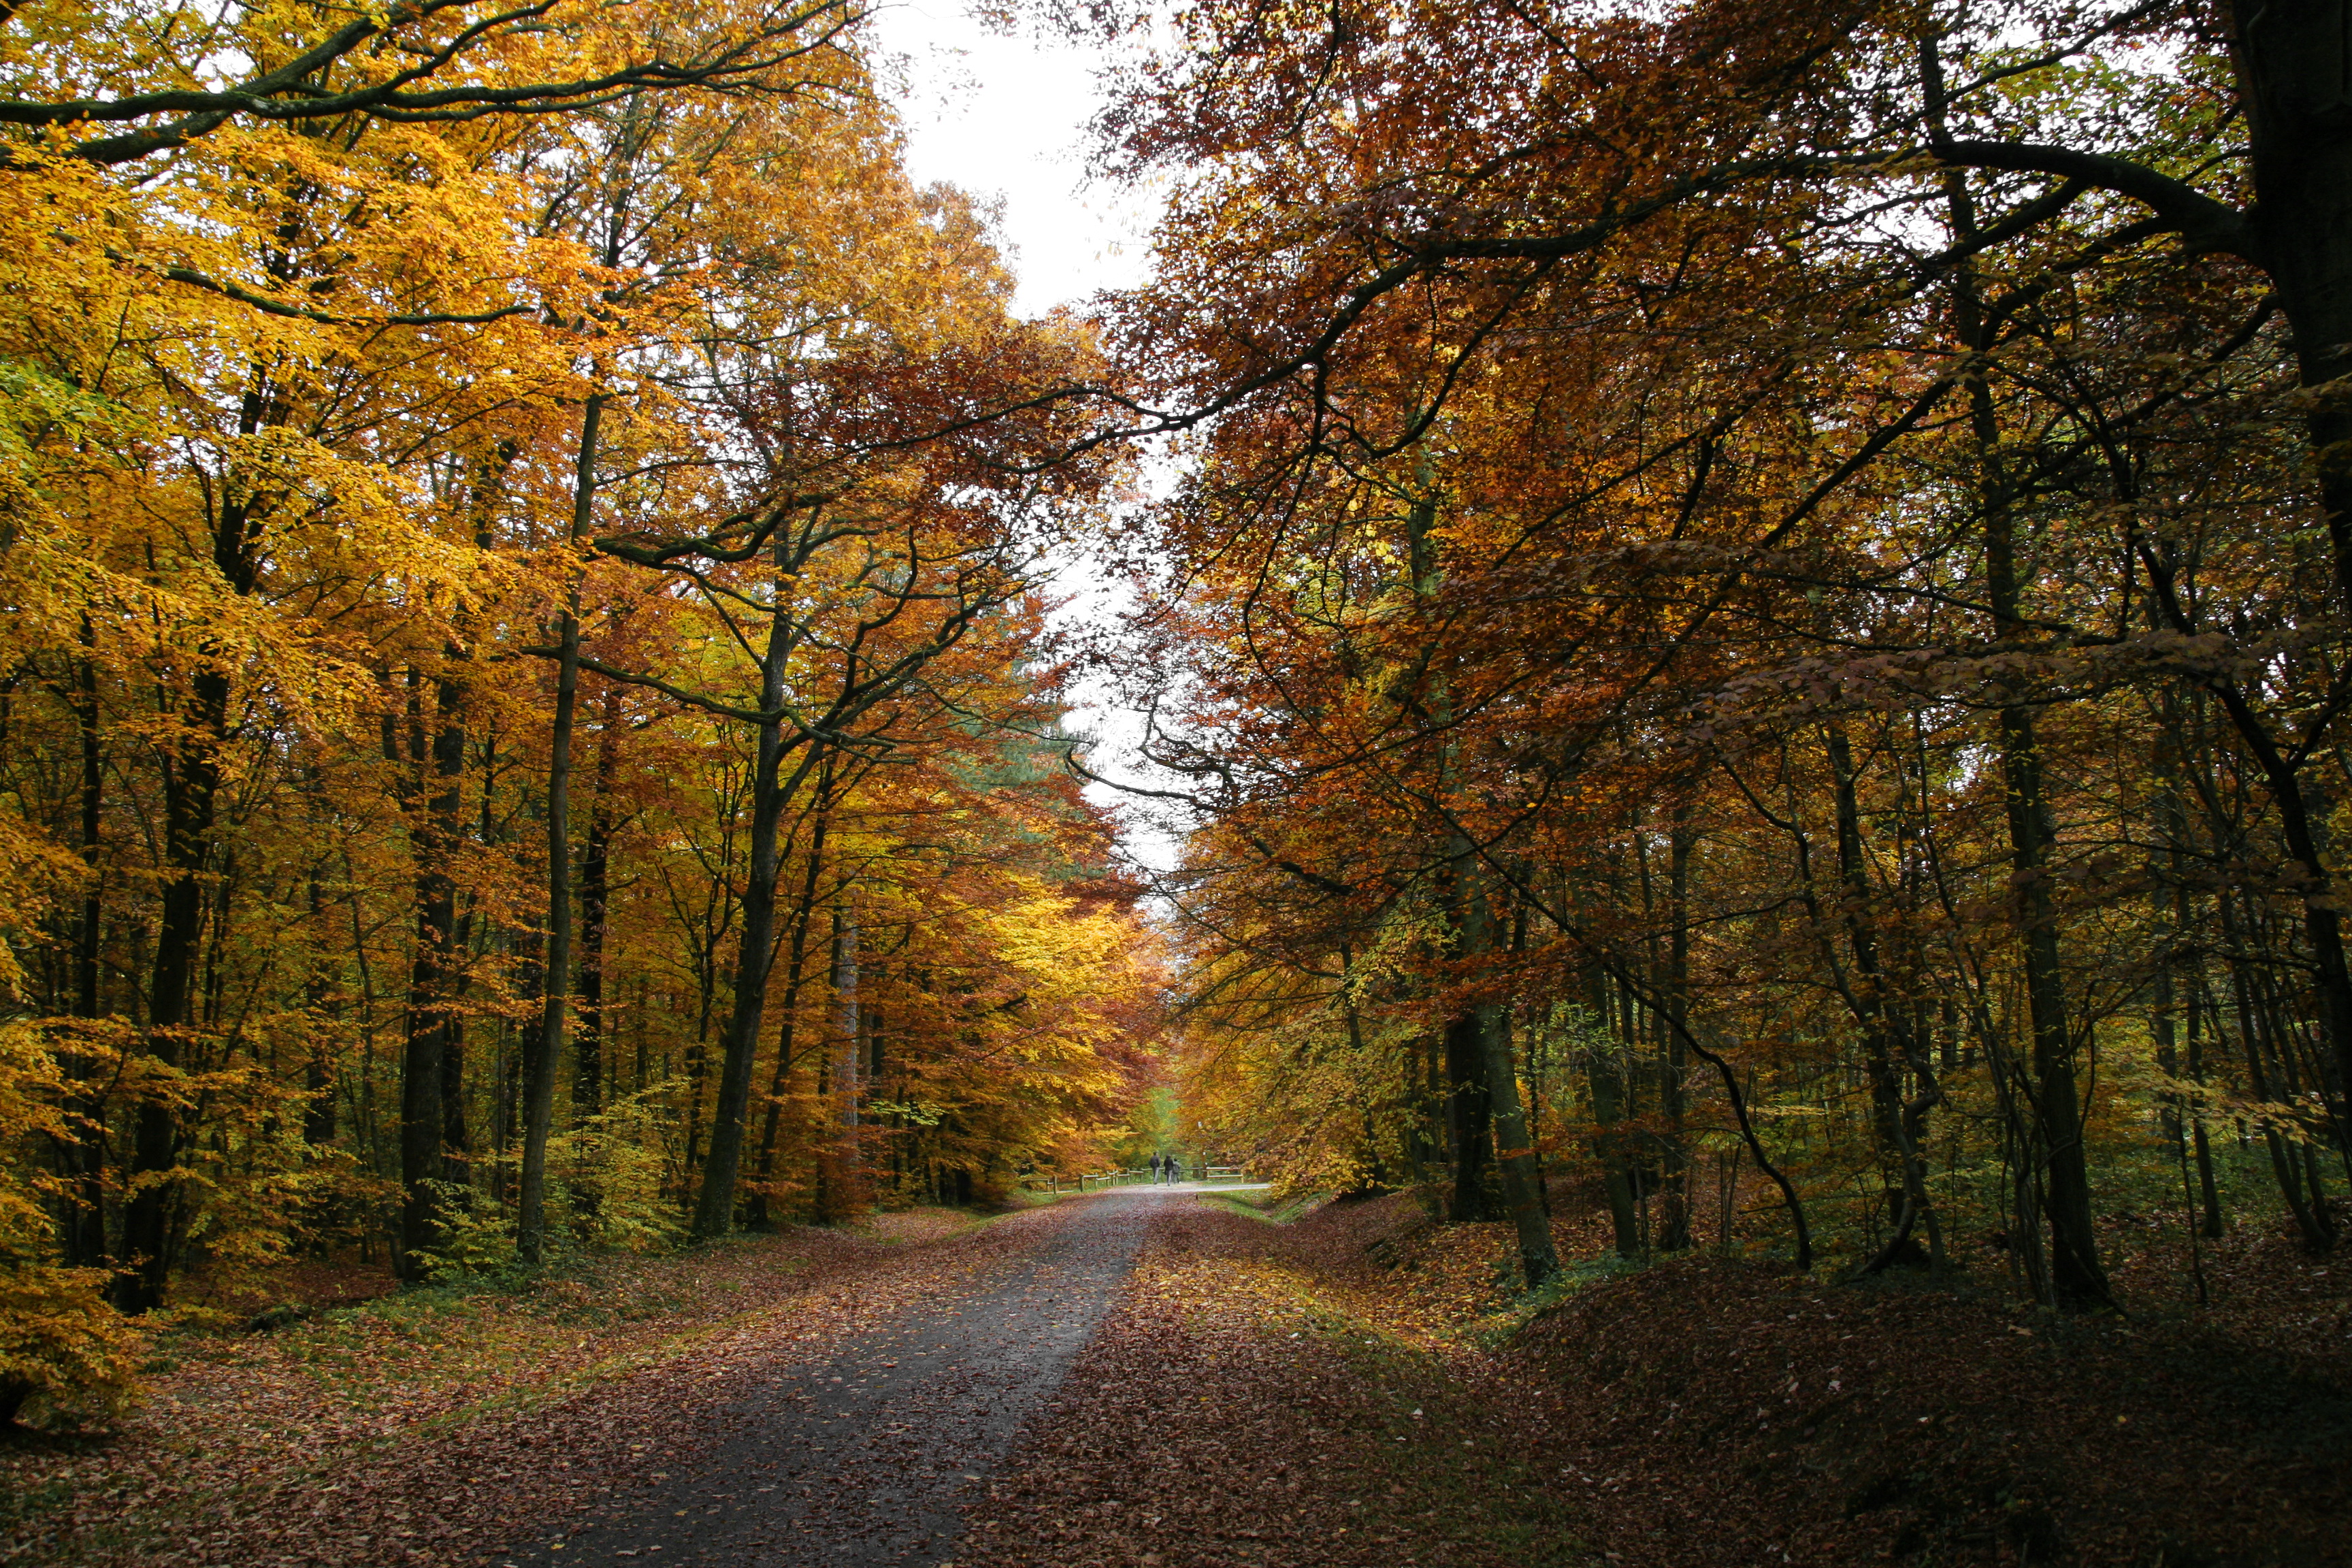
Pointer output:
x,y
613,1172
65,1354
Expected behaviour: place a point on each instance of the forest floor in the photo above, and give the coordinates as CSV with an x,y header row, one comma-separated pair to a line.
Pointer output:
x,y
1156,1379
1360,1389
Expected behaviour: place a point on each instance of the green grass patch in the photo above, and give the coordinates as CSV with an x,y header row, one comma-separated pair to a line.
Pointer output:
x,y
1576,1275
1266,1205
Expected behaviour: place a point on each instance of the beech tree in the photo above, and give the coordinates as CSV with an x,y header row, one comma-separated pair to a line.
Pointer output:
x,y
446,371
1768,379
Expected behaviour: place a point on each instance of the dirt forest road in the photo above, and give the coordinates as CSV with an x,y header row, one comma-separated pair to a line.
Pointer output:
x,y
1151,1379
866,1454
1162,1379
1136,1379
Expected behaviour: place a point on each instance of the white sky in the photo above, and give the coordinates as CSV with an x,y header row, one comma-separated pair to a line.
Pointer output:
x,y
1005,117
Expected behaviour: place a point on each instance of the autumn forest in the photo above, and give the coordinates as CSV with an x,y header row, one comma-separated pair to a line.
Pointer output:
x,y
1734,623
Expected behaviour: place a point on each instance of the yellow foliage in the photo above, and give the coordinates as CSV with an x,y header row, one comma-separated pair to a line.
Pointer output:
x,y
60,1344
63,1351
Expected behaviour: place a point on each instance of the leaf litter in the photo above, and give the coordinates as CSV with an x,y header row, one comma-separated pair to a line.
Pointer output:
x,y
1359,1387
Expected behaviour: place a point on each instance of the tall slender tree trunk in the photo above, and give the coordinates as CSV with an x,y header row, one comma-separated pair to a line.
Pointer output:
x,y
2208,1190
1469,1115
318,1066
803,913
2178,1008
192,783
714,1213
424,1090
2311,1218
80,1150
1885,1046
322,1008
1515,1154
595,895
192,766
1605,1084
1468,1094
2294,72
848,1157
2075,1275
91,802
1675,1232
544,1045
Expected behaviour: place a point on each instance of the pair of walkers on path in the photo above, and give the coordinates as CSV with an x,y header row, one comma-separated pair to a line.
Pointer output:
x,y
1167,1168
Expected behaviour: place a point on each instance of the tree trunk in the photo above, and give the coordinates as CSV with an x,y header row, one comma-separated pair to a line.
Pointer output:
x,y
318,1070
2178,1009
2075,1275
544,1045
595,876
1605,1083
2208,1190
91,803
714,1213
2294,72
1515,1154
1469,1109
81,1154
848,1185
1884,1049
424,1090
451,977
1605,1078
804,911
1674,1231
191,774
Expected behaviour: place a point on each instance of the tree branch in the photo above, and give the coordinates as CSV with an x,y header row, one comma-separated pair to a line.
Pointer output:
x,y
2204,223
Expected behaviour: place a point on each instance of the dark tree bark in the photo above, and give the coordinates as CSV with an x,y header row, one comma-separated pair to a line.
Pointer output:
x,y
192,764
848,1184
1469,1117
2293,66
714,1213
190,788
1605,1083
2075,1275
795,974
425,1092
1674,1227
544,1045
1886,1043
595,892
317,1075
79,1150
1515,1154
92,796
2294,71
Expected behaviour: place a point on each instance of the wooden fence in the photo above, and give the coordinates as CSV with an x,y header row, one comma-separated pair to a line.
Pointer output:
x,y
1095,1181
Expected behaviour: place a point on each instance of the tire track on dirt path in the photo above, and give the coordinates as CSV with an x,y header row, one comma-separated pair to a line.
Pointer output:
x,y
866,1452
1227,1414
